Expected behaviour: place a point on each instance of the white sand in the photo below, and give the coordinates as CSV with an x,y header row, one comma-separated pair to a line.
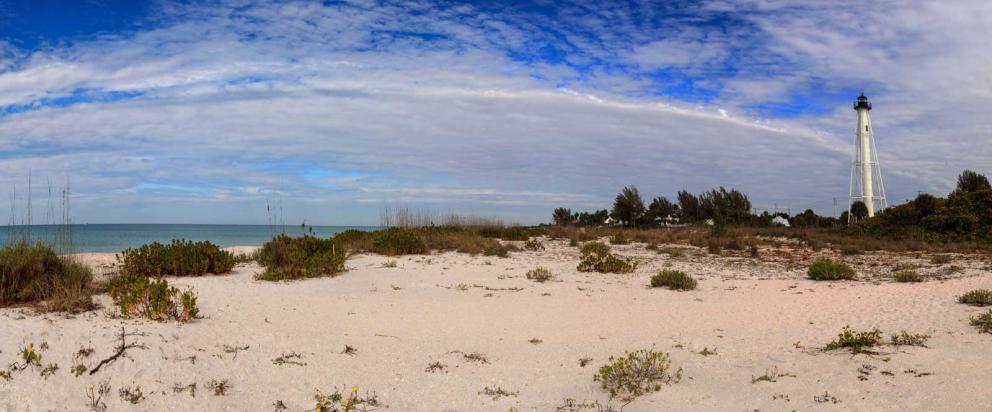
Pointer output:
x,y
757,316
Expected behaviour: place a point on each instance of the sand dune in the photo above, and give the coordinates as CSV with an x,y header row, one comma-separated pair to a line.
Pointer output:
x,y
756,314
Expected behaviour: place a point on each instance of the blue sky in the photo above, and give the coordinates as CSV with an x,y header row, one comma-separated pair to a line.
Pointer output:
x,y
204,111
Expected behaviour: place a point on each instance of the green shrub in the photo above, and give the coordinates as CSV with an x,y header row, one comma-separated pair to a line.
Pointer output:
x,y
826,269
983,322
595,248
910,339
533,245
673,279
908,275
286,258
36,274
397,241
673,252
637,373
609,263
496,249
353,239
856,341
140,296
179,258
540,274
977,297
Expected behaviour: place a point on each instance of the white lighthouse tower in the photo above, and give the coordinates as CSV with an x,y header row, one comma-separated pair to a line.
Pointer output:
x,y
866,174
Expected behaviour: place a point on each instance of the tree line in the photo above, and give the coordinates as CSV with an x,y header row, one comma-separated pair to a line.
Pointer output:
x,y
966,213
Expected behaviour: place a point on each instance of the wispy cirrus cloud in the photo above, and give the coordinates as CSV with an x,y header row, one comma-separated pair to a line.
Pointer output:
x,y
206,111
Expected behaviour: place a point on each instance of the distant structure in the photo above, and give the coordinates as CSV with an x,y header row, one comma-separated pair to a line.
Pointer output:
x,y
866,174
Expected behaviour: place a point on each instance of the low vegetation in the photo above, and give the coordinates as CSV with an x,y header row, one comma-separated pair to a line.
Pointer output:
x,y
140,296
673,279
857,342
637,373
337,402
608,263
178,258
540,274
396,241
983,322
533,245
496,249
910,339
826,269
594,248
907,276
35,274
940,259
288,258
977,297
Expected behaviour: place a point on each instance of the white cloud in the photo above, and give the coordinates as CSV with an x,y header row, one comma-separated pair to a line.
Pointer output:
x,y
456,124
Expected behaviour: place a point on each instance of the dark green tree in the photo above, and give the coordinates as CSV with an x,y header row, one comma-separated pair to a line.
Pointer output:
x,y
971,182
628,206
562,216
661,208
859,211
689,207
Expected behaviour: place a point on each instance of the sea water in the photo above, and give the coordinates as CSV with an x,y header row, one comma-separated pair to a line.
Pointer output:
x,y
117,237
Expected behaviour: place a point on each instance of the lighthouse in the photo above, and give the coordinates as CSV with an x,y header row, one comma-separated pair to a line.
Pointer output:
x,y
866,174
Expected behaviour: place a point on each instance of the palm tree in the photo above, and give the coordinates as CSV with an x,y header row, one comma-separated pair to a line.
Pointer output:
x,y
628,206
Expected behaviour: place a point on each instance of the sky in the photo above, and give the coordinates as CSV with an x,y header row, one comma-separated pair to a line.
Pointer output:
x,y
206,112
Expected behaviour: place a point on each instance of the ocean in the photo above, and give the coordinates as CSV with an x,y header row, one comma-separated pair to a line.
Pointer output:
x,y
117,237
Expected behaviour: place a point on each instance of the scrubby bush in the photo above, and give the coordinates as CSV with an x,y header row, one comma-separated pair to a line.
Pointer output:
x,y
540,274
140,296
397,241
354,239
908,275
637,373
36,274
594,248
673,279
910,339
496,249
983,322
857,342
608,263
673,252
286,258
533,245
977,297
178,258
826,269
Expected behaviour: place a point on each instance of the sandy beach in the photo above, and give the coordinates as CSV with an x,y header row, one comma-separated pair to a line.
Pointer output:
x,y
748,317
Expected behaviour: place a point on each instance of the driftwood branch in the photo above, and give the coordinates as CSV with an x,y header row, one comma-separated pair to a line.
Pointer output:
x,y
122,347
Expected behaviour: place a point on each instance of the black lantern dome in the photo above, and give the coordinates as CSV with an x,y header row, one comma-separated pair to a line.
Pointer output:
x,y
862,103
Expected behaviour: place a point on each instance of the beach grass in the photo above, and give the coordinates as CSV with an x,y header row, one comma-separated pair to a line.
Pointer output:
x,y
35,274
